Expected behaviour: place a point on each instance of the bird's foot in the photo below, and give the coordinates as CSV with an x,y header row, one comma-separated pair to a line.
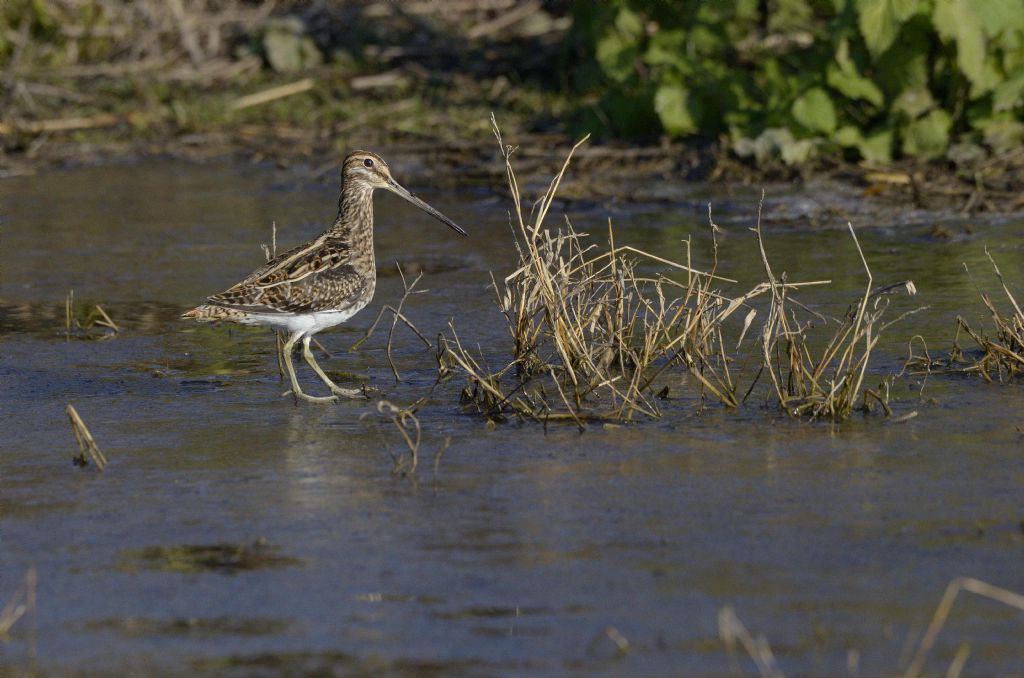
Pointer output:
x,y
299,395
348,392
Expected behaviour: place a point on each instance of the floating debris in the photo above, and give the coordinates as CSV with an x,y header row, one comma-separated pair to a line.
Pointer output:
x,y
224,558
199,627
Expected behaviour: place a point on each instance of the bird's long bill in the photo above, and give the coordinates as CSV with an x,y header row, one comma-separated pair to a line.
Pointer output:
x,y
397,189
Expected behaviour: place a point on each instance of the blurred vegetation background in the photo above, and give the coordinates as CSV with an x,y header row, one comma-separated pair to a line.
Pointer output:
x,y
870,78
773,81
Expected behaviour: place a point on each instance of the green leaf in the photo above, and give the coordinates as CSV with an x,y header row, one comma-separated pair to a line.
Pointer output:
x,y
617,56
619,47
880,21
906,63
814,110
965,153
877,147
770,142
1003,132
928,137
788,16
957,21
914,101
848,136
667,48
676,108
999,15
798,152
1008,94
853,85
629,23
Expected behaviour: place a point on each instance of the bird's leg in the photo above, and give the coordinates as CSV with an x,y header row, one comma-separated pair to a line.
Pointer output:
x,y
289,347
279,340
335,389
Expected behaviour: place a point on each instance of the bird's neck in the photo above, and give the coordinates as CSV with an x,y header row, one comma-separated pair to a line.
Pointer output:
x,y
354,225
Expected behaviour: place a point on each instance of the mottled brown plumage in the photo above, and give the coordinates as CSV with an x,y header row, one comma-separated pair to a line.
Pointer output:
x,y
321,283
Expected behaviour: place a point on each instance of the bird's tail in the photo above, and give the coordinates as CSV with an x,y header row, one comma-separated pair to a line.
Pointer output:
x,y
208,313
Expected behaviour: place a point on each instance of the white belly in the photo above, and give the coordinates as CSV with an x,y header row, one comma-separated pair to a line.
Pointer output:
x,y
306,323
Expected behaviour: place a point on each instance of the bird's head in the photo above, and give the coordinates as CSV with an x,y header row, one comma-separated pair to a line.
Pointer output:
x,y
368,170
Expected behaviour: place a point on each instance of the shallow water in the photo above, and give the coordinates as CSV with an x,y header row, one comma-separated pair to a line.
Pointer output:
x,y
234,532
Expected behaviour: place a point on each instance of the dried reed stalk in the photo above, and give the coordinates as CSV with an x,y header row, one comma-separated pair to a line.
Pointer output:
x,y
21,603
404,419
1002,352
96,317
971,585
86,444
591,331
396,315
733,634
827,385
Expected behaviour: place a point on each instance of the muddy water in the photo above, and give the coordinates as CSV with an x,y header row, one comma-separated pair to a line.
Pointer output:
x,y
236,533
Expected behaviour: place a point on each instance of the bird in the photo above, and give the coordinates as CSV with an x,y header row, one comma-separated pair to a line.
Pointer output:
x,y
321,283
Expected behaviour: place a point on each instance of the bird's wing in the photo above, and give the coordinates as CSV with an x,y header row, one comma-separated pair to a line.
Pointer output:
x,y
308,278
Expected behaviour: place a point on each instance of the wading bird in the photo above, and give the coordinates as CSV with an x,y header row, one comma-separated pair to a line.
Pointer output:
x,y
322,283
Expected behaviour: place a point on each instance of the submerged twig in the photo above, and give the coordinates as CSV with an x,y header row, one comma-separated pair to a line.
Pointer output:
x,y
396,316
404,419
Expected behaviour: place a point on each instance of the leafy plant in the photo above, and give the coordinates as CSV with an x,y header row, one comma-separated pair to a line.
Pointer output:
x,y
791,79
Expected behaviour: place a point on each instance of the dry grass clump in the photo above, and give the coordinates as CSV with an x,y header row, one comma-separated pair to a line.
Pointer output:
x,y
1001,347
591,331
826,384
1003,351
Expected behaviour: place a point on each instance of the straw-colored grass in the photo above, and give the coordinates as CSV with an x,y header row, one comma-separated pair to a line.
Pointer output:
x,y
87,447
734,634
21,602
1001,346
591,330
82,323
827,384
408,425
1002,349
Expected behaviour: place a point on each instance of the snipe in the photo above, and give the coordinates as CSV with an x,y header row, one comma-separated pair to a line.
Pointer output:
x,y
321,283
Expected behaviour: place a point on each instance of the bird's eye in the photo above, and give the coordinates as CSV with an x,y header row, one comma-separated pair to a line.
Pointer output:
x,y
368,162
